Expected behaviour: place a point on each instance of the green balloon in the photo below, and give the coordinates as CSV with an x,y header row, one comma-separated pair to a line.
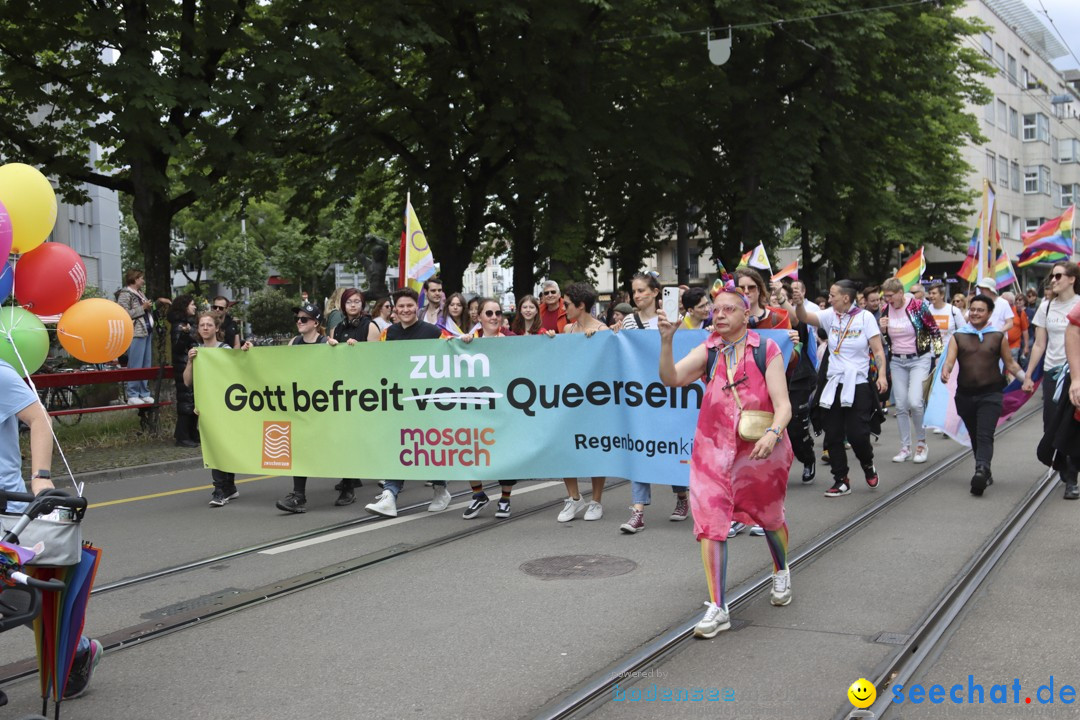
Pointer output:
x,y
21,330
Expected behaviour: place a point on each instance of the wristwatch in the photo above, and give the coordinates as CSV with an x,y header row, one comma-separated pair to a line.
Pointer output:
x,y
42,474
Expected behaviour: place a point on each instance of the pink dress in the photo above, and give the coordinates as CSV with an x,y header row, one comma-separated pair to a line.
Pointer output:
x,y
725,483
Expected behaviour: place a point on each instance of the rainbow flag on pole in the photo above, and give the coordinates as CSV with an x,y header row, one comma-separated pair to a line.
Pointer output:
x,y
912,270
415,261
744,261
1003,271
791,271
967,270
989,249
1051,242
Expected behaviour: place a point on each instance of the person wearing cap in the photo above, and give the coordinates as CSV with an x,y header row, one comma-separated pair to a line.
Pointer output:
x,y
409,327
618,313
1002,317
308,317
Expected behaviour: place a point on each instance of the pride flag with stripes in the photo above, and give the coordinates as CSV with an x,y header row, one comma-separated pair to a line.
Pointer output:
x,y
970,267
1053,236
1004,275
791,271
912,271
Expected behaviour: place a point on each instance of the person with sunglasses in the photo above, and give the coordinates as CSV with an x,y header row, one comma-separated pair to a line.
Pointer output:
x,y
847,397
381,312
1051,321
579,301
409,326
491,318
733,477
552,309
645,289
229,328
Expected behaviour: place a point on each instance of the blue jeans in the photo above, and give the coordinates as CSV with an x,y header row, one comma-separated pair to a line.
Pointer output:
x,y
395,486
908,376
642,492
139,357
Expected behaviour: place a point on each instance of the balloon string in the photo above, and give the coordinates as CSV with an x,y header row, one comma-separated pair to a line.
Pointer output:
x,y
26,373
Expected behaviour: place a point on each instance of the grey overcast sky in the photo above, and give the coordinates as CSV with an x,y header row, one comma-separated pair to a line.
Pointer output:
x,y
1066,17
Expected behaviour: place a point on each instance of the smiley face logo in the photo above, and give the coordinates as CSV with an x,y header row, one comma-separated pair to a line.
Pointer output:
x,y
861,693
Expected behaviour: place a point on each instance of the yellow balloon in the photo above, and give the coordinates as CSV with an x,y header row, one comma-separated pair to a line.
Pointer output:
x,y
31,205
95,330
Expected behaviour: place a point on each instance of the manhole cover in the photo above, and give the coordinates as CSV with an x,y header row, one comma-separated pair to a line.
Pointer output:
x,y
578,566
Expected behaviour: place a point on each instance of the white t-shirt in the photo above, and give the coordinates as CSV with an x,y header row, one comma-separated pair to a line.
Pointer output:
x,y
1002,313
851,335
949,319
1052,316
811,307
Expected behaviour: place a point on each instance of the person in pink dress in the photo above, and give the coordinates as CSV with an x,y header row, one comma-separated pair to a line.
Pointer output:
x,y
732,478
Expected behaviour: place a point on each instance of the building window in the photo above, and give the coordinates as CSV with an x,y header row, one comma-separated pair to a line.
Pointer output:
x,y
1014,175
1004,224
1069,150
1003,115
987,44
991,167
999,56
988,113
1044,180
1003,170
1068,195
1037,127
1037,180
1014,123
1012,69
1031,225
1055,194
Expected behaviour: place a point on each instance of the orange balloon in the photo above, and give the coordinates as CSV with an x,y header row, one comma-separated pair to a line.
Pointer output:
x,y
95,330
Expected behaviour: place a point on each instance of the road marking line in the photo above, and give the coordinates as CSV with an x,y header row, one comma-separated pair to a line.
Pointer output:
x,y
171,492
390,521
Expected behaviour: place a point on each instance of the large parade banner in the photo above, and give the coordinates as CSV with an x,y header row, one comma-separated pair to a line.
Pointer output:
x,y
505,408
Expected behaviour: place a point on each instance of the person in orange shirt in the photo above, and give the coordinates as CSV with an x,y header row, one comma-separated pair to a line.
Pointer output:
x,y
1018,333
552,308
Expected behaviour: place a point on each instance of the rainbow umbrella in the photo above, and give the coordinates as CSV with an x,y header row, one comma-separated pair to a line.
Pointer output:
x,y
59,626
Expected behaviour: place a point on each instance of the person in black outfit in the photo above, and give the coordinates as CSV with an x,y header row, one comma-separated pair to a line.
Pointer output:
x,y
229,328
977,350
181,318
357,326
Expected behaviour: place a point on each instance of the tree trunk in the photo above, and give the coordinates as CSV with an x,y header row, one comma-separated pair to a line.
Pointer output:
x,y
523,243
153,217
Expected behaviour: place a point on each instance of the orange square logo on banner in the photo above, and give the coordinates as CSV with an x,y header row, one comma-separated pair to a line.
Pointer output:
x,y
277,444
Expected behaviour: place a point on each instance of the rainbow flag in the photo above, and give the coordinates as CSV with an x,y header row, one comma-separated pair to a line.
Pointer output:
x,y
745,260
968,269
415,261
1003,271
912,271
791,271
1051,242
989,248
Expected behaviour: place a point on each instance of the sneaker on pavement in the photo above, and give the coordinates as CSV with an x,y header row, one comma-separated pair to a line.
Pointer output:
x,y
840,487
870,473
903,456
571,508
385,505
440,499
682,507
82,670
736,528
218,499
231,493
479,500
595,511
1072,491
635,524
809,472
781,588
503,510
294,502
346,495
716,620
757,531
922,452
825,457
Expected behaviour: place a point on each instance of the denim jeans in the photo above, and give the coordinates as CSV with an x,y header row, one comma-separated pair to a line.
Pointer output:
x,y
139,357
908,376
642,492
395,486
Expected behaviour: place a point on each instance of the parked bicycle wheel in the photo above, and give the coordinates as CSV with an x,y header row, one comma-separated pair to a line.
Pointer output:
x,y
65,398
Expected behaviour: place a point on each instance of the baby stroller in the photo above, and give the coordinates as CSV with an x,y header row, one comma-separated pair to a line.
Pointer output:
x,y
20,593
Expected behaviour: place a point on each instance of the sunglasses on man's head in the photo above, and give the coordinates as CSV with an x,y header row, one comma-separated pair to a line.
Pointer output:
x,y
493,313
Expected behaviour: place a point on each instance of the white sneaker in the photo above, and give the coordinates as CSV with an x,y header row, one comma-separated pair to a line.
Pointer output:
x,y
571,508
921,453
781,588
135,401
595,511
757,531
903,456
939,431
385,505
440,499
716,619
148,400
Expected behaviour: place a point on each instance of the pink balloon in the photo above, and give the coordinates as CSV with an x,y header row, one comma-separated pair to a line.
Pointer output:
x,y
5,234
49,279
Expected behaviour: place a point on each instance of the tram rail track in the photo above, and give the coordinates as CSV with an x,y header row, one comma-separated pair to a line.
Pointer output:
x,y
597,688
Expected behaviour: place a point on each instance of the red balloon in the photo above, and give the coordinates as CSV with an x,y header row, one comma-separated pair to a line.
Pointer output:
x,y
49,279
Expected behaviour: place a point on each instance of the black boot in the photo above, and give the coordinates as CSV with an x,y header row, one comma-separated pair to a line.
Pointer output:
x,y
981,480
346,496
